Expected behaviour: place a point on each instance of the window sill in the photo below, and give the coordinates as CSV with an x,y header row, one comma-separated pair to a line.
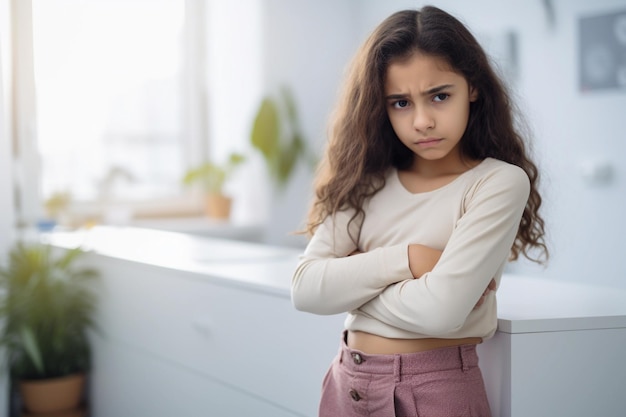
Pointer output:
x,y
204,226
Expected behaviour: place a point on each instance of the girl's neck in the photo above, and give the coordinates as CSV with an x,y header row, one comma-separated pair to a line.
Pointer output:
x,y
453,164
428,175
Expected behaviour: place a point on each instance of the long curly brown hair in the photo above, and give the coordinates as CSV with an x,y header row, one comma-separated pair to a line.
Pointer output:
x,y
363,145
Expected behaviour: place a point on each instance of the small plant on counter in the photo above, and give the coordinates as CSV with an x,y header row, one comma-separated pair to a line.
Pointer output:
x,y
212,177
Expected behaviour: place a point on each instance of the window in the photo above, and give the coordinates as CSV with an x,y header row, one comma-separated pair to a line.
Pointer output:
x,y
116,89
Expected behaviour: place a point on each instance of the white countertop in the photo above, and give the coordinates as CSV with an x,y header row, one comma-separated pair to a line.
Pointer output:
x,y
260,267
533,304
525,304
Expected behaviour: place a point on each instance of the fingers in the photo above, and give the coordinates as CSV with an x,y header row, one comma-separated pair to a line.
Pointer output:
x,y
490,287
480,302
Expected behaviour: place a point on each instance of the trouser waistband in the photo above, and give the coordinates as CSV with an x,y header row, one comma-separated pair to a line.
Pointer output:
x,y
456,357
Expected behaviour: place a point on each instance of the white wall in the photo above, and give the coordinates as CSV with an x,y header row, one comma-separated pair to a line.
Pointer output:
x,y
308,44
586,221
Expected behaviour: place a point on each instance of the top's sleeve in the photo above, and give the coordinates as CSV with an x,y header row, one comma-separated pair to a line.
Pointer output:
x,y
328,281
440,301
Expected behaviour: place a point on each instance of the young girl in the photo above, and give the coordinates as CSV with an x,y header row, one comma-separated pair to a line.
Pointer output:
x,y
425,191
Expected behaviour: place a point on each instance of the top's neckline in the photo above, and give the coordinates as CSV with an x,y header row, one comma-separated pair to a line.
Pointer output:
x,y
396,179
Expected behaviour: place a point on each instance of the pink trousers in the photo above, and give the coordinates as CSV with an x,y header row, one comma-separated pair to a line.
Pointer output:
x,y
442,382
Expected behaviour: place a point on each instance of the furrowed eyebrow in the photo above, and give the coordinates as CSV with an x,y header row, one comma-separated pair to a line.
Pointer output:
x,y
431,91
437,89
396,96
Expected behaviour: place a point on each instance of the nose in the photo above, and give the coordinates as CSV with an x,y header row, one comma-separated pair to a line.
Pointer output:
x,y
423,120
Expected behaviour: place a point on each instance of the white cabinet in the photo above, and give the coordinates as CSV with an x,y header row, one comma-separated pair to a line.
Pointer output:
x,y
558,351
180,342
130,382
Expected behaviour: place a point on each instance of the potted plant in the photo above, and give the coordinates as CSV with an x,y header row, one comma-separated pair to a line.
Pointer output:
x,y
47,308
57,204
212,177
276,133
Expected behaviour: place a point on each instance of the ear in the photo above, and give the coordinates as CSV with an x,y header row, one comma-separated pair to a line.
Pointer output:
x,y
473,94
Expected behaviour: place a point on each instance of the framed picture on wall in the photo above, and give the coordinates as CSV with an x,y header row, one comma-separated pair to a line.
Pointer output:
x,y
602,55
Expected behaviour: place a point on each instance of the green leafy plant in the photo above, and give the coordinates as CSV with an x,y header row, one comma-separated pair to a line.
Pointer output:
x,y
57,203
212,176
47,307
276,133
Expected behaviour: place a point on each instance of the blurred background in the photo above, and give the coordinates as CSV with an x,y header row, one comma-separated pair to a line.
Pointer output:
x,y
107,105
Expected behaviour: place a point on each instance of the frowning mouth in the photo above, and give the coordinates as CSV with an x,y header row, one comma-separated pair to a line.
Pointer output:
x,y
428,142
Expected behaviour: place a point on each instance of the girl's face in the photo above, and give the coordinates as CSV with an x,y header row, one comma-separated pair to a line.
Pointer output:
x,y
428,106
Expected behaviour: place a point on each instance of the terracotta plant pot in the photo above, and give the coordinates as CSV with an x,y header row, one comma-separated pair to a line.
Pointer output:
x,y
53,395
218,206
78,412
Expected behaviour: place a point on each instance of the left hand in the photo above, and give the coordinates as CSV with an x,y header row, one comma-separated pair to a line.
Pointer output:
x,y
490,287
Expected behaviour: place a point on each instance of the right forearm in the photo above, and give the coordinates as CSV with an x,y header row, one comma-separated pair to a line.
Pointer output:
x,y
336,285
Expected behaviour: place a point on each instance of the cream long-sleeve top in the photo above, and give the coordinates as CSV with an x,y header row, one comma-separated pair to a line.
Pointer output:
x,y
473,219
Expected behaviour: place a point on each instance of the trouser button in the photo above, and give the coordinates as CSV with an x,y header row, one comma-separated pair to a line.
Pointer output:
x,y
357,358
355,395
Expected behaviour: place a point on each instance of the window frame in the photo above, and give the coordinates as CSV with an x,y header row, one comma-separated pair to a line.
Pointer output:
x,y
28,169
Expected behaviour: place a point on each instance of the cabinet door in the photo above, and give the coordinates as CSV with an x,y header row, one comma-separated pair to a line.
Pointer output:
x,y
253,341
130,383
576,373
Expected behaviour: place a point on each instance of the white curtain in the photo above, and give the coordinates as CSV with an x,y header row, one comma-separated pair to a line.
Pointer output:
x,y
7,214
7,210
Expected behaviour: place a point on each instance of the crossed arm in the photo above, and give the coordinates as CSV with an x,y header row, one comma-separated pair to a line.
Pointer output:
x,y
422,259
330,280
